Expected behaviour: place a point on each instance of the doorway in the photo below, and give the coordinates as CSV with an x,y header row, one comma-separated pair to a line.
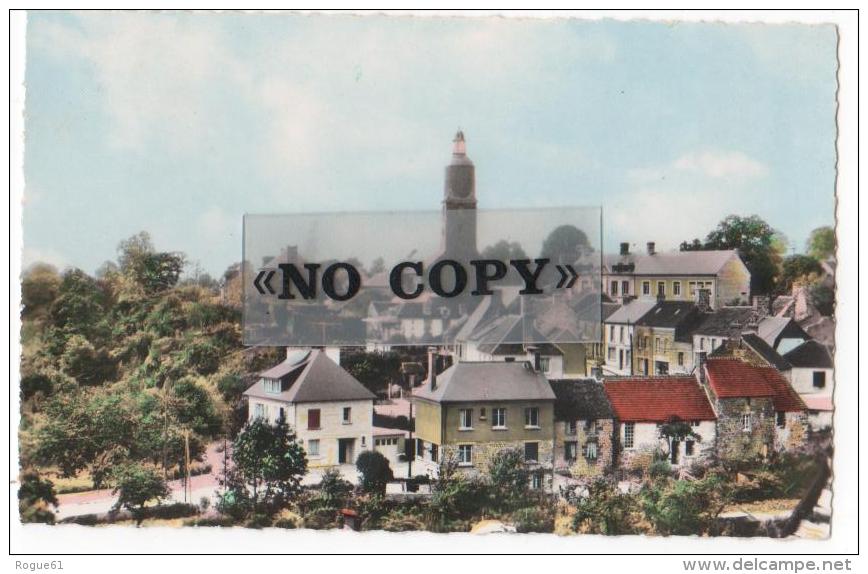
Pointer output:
x,y
346,446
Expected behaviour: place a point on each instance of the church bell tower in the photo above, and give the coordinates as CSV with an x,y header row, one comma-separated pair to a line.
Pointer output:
x,y
459,204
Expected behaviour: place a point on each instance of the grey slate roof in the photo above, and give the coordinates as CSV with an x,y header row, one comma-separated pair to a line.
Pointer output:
x,y
312,378
674,263
503,336
632,311
773,329
810,355
668,314
725,321
764,350
580,399
487,381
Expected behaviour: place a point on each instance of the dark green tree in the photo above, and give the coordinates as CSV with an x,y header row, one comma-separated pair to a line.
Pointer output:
x,y
270,462
565,244
375,370
504,250
136,485
36,496
795,268
40,286
822,243
605,510
509,478
151,270
374,471
758,244
684,508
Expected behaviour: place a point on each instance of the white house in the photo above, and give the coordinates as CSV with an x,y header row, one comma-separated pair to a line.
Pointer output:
x,y
810,374
330,411
618,332
642,405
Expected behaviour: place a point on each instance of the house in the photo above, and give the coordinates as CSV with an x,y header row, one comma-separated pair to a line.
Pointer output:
x,y
757,409
663,341
330,411
472,410
677,276
783,334
719,326
643,405
619,334
810,374
584,428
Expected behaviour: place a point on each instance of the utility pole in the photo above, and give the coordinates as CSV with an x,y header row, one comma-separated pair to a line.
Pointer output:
x,y
187,464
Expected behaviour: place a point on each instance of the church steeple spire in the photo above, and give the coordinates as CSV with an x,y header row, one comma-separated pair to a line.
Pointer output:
x,y
460,185
459,147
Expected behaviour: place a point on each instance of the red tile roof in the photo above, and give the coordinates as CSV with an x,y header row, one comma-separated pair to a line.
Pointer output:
x,y
732,378
658,399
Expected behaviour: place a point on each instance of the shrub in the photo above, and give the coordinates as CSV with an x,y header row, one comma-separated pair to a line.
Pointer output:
x,y
136,485
332,491
374,471
509,477
534,519
605,510
323,519
659,468
210,521
258,520
171,511
402,520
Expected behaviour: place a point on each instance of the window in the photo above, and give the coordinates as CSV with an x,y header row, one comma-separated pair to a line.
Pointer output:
x,y
702,343
691,289
434,452
621,333
571,427
482,414
465,418
625,287
781,419
259,411
680,359
272,386
614,289
313,447
629,434
657,346
570,450
281,414
661,288
347,416
536,481
313,419
531,451
745,422
611,354
646,287
611,332
688,448
531,417
694,423
545,364
420,447
676,288
591,451
819,379
498,418
465,454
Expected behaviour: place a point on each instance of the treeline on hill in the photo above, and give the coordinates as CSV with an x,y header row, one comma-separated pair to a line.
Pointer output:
x,y
125,367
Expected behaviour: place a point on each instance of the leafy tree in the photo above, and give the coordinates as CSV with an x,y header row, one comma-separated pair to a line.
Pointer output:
x,y
33,383
605,510
374,471
35,496
194,409
796,268
822,243
332,492
231,387
504,250
759,245
136,485
374,370
509,477
79,308
675,431
454,497
682,507
152,271
203,357
40,286
87,365
565,244
270,462
823,298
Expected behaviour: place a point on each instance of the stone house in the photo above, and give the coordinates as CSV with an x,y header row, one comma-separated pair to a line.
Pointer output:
x,y
757,410
330,411
584,428
811,375
643,405
472,410
663,342
677,276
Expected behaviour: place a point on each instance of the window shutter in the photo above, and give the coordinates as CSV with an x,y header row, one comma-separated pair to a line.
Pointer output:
x,y
313,419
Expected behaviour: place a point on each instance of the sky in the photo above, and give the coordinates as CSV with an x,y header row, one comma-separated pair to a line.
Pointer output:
x,y
180,123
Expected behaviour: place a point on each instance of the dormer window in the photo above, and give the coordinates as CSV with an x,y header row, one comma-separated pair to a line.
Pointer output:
x,y
272,386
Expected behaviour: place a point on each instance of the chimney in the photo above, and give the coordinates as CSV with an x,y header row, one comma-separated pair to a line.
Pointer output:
x,y
625,248
650,246
433,357
701,367
534,350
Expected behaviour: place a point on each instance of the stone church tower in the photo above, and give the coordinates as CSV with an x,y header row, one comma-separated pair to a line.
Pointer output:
x,y
458,240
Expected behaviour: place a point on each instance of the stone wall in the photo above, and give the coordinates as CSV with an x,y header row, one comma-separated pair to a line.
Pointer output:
x,y
484,452
733,442
582,467
794,435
